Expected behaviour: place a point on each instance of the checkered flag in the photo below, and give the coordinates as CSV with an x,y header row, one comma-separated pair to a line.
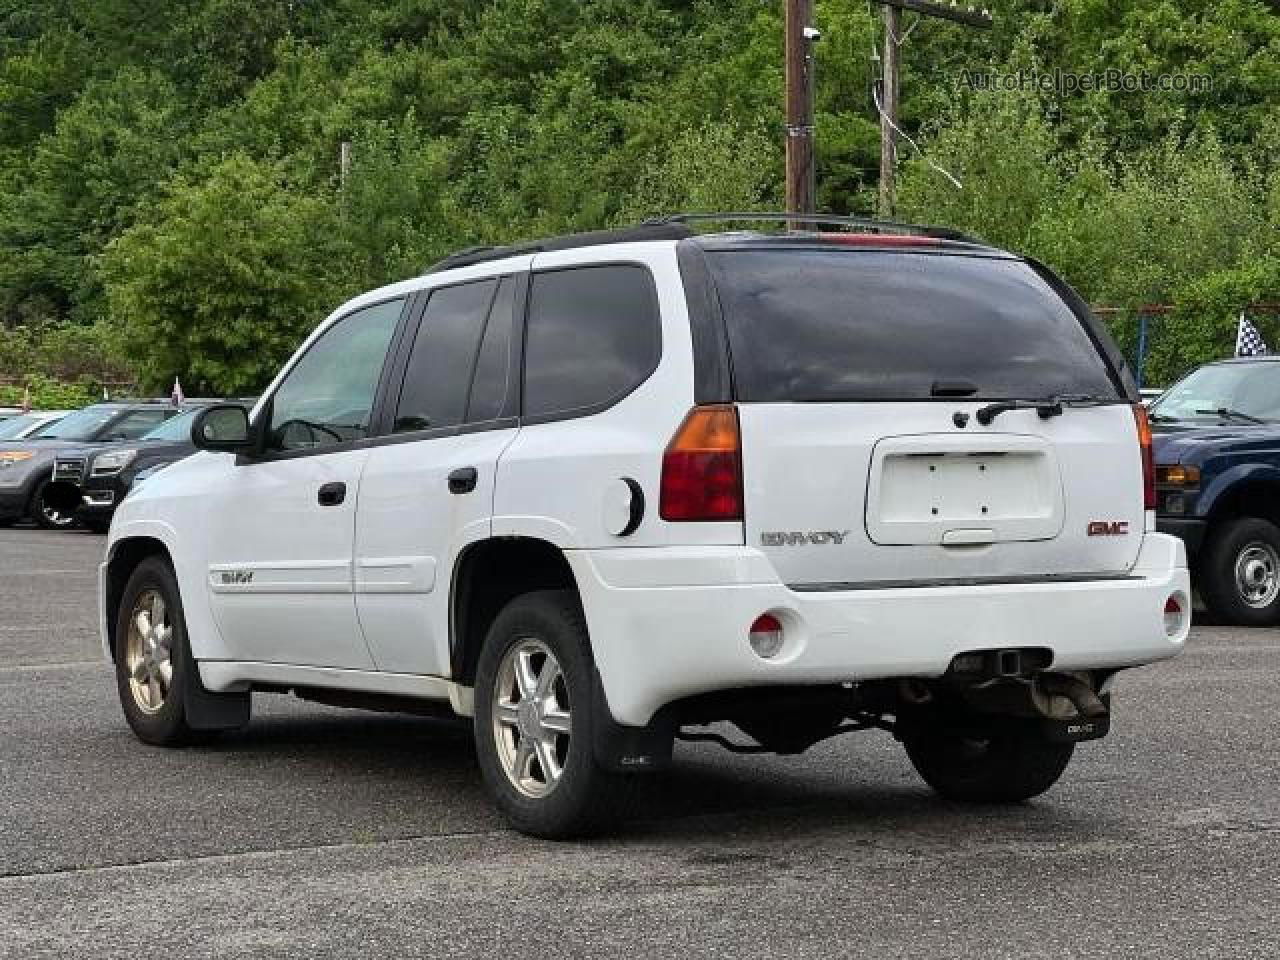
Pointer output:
x,y
1249,342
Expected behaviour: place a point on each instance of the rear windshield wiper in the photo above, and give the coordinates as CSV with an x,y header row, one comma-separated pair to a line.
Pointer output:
x,y
1226,413
1046,408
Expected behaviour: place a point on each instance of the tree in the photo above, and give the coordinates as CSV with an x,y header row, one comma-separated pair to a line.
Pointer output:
x,y
234,270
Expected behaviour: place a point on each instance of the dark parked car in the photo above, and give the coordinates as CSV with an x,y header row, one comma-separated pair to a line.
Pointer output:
x,y
26,466
90,481
1217,453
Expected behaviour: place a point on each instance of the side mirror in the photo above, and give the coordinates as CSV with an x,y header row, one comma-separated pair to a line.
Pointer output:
x,y
224,428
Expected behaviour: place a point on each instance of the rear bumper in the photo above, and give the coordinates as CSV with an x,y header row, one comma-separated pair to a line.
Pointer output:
x,y
669,623
1190,532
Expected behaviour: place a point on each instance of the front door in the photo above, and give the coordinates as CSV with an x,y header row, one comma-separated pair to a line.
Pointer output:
x,y
428,491
280,550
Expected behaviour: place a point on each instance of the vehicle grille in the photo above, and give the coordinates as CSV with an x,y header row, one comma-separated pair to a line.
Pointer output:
x,y
68,471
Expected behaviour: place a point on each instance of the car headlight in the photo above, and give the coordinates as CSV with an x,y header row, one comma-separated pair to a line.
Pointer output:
x,y
112,461
14,457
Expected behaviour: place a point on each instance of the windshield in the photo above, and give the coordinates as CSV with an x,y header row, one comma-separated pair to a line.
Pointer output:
x,y
820,325
1251,389
16,426
81,425
175,428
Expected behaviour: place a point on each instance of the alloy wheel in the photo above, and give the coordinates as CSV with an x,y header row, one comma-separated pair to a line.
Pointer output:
x,y
148,654
531,718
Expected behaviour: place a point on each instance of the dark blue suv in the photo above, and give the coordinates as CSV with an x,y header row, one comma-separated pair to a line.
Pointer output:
x,y
1217,453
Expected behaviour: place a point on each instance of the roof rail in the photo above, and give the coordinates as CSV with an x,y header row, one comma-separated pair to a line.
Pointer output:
x,y
644,231
868,224
676,227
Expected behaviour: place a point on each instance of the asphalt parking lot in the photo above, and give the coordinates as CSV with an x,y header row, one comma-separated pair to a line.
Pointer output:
x,y
318,832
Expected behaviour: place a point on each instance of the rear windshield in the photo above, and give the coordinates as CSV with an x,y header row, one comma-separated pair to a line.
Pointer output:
x,y
816,325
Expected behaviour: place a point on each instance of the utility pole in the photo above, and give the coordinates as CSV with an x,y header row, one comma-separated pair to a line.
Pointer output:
x,y
889,87
800,38
890,84
344,162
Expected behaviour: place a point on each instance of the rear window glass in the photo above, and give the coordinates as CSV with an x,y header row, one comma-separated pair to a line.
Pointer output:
x,y
814,325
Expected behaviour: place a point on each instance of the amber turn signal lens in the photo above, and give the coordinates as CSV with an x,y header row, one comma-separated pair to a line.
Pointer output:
x,y
1178,475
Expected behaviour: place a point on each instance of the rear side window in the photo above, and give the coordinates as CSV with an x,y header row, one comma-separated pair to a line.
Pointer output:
x,y
491,387
594,335
814,325
444,351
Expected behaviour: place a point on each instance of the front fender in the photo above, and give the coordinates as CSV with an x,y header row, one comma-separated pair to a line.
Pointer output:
x,y
1219,486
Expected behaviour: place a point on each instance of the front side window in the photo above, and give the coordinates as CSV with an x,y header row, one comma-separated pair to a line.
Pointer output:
x,y
175,428
434,394
594,336
134,425
327,398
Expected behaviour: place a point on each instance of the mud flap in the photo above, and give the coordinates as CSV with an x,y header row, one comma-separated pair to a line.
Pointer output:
x,y
212,711
1076,729
624,749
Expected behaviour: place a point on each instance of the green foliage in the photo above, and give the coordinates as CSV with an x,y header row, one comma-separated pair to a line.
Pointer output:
x,y
237,268
47,394
169,170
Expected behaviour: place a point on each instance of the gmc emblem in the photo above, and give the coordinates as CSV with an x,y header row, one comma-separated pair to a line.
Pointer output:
x,y
1114,528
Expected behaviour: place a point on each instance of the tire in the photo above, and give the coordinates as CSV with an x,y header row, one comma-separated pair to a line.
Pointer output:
x,y
1239,572
543,631
46,516
1008,766
156,708
96,525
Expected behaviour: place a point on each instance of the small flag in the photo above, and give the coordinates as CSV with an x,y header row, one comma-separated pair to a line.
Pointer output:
x,y
26,399
1249,342
177,396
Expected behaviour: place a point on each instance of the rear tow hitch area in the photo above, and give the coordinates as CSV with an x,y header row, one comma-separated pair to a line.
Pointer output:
x,y
1017,682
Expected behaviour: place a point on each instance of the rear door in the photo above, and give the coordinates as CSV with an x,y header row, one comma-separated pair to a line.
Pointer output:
x,y
427,489
859,374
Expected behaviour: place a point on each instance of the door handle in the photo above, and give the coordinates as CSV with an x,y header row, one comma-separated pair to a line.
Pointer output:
x,y
332,494
463,480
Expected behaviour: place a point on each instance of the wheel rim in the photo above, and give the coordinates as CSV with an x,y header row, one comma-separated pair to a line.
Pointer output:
x,y
531,718
55,518
1258,574
148,654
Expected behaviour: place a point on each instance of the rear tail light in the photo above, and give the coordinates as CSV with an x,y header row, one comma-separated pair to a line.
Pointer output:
x,y
765,636
702,467
1148,465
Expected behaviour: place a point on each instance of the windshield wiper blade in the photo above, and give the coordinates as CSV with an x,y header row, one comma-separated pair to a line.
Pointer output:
x,y
1227,413
1046,408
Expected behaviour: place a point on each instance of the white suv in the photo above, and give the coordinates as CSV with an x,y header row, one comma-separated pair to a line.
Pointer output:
x,y
598,490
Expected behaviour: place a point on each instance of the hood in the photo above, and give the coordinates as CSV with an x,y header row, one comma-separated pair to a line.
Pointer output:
x,y
1190,443
38,445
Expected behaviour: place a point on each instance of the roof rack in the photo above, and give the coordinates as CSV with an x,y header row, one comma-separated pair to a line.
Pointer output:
x,y
645,231
868,224
676,227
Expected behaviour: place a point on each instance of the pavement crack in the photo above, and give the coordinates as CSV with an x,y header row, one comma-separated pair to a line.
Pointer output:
x,y
263,854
